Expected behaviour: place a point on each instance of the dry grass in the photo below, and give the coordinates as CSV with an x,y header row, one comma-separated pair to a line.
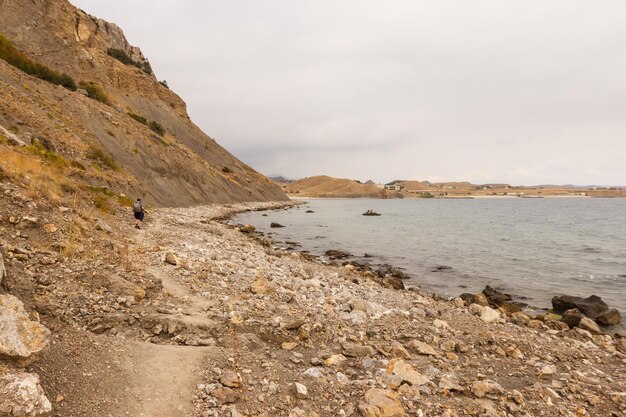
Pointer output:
x,y
41,180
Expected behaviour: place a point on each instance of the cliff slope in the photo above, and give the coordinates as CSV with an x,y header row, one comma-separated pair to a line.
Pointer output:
x,y
120,113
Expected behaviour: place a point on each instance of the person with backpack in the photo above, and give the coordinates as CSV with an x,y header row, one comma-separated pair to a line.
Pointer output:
x,y
139,213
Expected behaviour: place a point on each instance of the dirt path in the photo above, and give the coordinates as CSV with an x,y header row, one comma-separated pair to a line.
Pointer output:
x,y
163,378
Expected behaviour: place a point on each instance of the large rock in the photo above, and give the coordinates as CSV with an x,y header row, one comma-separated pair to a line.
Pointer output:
x,y
22,396
605,319
489,315
589,325
406,372
591,306
20,337
381,403
572,317
495,297
486,388
479,299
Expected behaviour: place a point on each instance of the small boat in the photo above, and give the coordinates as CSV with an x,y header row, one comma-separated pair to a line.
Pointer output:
x,y
371,213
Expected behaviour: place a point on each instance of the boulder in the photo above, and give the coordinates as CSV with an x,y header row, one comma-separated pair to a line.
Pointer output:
x,y
591,306
520,318
589,325
12,139
103,226
248,228
276,225
171,259
479,299
572,317
225,395
486,388
511,307
22,396
605,319
495,297
489,315
381,403
422,348
21,338
405,371
337,254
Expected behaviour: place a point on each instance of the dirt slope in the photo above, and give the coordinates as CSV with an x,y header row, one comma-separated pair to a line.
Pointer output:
x,y
182,167
324,186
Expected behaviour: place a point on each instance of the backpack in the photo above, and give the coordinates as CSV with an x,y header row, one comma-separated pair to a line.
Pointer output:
x,y
137,208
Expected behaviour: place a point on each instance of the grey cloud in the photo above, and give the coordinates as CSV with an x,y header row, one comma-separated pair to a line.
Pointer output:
x,y
490,91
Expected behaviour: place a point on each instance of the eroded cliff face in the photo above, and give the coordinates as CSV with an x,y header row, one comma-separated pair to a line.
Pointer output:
x,y
182,167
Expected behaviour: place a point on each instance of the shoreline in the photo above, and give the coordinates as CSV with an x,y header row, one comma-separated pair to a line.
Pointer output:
x,y
195,318
396,276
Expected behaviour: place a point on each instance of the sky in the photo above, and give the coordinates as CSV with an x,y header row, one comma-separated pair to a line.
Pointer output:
x,y
523,92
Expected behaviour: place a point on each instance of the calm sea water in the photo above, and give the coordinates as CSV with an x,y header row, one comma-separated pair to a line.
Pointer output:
x,y
531,248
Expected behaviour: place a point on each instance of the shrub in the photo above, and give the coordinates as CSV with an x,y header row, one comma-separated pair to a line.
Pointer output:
x,y
156,128
3,140
20,60
123,57
14,129
52,157
427,195
138,118
77,165
125,200
227,170
103,158
96,93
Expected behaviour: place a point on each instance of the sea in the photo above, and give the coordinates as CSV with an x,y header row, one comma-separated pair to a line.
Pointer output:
x,y
531,248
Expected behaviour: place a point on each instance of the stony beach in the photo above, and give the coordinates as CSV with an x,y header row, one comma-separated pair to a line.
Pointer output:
x,y
193,317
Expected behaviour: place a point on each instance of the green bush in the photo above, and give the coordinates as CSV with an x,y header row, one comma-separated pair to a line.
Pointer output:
x,y
138,118
127,60
96,93
20,60
103,158
156,128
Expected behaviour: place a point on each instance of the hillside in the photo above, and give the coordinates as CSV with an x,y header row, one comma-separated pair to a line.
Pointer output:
x,y
121,129
324,186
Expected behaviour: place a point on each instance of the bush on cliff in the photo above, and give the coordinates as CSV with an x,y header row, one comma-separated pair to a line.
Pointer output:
x,y
96,93
156,128
20,60
123,57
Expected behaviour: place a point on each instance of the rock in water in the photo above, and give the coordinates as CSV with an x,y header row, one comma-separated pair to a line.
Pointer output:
x,y
381,403
248,228
605,319
495,297
22,396
591,306
276,225
20,337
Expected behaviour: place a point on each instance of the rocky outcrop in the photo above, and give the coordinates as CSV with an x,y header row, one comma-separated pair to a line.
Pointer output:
x,y
21,339
381,403
591,306
22,396
184,165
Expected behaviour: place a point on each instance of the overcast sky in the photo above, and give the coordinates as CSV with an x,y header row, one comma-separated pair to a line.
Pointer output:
x,y
524,92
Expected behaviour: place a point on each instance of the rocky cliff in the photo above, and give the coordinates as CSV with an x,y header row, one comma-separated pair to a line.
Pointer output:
x,y
120,113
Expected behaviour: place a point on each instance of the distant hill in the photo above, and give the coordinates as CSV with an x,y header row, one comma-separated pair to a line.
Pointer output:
x,y
325,186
